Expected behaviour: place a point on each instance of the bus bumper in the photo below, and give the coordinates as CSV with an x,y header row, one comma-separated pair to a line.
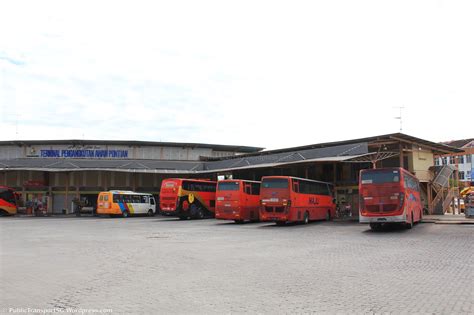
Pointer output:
x,y
108,211
173,213
383,219
273,218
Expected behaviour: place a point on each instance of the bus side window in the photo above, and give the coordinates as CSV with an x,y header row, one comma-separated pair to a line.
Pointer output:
x,y
152,200
247,189
144,199
295,186
255,189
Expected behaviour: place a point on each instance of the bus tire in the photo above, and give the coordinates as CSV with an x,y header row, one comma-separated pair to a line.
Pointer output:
x,y
200,214
125,214
151,213
375,226
239,221
280,223
410,225
182,217
328,216
306,218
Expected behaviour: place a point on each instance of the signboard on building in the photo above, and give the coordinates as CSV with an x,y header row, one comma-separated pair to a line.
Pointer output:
x,y
84,153
77,152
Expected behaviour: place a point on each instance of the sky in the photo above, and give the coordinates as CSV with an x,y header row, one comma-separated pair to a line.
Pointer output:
x,y
270,74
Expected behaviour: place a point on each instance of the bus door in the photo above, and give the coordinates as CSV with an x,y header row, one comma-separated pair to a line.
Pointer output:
x,y
295,189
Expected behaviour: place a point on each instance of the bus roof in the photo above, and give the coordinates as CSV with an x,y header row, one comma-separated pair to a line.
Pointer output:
x,y
192,180
298,178
239,180
126,192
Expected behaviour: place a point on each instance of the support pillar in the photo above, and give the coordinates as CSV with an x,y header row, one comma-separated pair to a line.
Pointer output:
x,y
400,146
67,193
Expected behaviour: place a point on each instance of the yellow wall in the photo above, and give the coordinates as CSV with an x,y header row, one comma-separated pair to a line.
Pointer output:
x,y
420,162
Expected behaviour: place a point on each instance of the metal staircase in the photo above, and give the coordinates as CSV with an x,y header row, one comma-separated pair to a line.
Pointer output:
x,y
443,194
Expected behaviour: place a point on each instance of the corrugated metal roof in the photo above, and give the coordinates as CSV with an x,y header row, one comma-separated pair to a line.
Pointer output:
x,y
437,147
220,147
60,165
326,152
337,153
288,157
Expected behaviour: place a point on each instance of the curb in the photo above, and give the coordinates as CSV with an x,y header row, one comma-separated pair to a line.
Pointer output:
x,y
447,222
454,222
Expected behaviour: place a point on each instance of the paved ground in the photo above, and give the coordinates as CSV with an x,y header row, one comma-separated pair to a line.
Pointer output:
x,y
161,265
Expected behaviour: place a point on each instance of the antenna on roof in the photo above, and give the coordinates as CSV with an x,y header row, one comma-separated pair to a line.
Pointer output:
x,y
400,117
16,126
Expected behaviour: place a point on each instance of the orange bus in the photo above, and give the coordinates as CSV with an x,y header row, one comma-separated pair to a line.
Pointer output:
x,y
238,200
125,203
389,195
291,199
188,198
8,201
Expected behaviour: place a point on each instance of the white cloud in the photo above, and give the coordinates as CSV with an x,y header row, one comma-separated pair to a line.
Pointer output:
x,y
261,73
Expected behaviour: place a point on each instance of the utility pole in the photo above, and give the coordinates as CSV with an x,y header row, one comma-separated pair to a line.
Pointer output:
x,y
400,116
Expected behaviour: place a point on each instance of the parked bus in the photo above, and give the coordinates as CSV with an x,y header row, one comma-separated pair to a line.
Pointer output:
x,y
291,199
125,203
188,198
389,195
238,200
8,201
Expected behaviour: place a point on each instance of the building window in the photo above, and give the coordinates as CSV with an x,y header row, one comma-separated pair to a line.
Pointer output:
x,y
469,158
461,159
461,175
468,175
444,160
452,159
436,161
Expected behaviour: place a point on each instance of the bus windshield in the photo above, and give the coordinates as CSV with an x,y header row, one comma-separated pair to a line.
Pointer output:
x,y
8,196
228,186
275,183
380,177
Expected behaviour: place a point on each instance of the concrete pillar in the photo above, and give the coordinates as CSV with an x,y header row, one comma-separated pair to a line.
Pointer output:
x,y
400,146
50,200
66,206
112,178
134,181
155,181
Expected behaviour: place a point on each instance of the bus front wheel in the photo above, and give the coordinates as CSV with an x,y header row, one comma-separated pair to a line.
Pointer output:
x,y
410,224
150,213
306,218
375,226
125,214
328,216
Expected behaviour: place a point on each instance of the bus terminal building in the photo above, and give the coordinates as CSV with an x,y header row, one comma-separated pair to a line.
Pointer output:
x,y
58,171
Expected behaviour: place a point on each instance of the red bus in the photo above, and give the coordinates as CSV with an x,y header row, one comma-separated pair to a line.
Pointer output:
x,y
291,199
188,198
8,201
389,195
238,200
